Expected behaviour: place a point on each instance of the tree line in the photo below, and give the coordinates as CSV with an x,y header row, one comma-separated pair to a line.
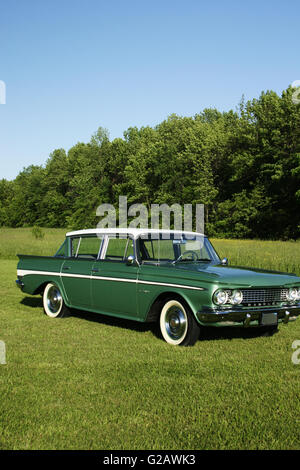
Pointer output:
x,y
243,165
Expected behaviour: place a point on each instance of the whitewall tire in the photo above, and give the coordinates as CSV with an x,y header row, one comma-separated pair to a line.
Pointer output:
x,y
53,302
177,324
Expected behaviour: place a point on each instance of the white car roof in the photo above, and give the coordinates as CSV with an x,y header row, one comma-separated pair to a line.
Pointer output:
x,y
134,232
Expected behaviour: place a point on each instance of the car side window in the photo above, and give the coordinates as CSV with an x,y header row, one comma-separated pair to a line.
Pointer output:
x,y
119,249
86,247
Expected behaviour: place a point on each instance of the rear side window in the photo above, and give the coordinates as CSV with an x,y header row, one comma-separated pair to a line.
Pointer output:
x,y
74,246
86,247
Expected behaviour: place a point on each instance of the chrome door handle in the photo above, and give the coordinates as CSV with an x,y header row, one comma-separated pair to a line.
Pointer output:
x,y
66,267
95,270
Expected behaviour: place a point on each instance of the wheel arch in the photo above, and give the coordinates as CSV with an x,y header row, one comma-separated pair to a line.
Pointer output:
x,y
156,306
40,289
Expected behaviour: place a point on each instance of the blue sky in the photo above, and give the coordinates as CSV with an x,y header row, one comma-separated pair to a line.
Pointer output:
x,y
72,66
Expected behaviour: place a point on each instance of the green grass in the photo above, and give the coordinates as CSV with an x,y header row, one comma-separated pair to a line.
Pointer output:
x,y
22,241
274,255
89,382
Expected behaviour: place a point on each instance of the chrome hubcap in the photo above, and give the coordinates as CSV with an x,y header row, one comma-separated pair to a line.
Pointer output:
x,y
175,322
54,299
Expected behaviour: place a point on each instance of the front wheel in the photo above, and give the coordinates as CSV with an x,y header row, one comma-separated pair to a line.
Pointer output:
x,y
177,324
53,302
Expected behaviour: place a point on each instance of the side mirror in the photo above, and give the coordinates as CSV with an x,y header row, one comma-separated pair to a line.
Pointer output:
x,y
224,261
130,260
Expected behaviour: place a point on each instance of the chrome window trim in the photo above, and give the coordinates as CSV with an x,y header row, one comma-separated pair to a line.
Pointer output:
x,y
79,243
104,247
71,238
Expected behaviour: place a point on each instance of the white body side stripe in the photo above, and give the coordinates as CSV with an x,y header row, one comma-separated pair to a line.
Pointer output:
x,y
24,272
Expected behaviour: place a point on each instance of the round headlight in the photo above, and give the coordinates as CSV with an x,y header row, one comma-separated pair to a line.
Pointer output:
x,y
220,297
236,297
292,294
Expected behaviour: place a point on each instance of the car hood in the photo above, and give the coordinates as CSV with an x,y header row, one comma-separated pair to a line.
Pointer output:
x,y
239,275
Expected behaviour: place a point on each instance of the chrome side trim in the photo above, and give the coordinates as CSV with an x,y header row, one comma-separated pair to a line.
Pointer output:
x,y
169,285
22,272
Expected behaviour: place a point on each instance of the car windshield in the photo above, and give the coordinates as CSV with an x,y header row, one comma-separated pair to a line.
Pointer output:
x,y
176,249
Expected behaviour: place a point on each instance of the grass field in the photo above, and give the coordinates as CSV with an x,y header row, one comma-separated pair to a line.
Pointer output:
x,y
89,382
22,240
275,255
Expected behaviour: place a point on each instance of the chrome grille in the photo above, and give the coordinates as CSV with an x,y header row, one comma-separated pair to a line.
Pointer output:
x,y
271,296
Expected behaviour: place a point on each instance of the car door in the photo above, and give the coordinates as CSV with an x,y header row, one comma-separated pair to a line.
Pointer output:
x,y
114,287
76,271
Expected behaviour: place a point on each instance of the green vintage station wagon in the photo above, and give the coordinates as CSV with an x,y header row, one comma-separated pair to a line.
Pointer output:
x,y
173,278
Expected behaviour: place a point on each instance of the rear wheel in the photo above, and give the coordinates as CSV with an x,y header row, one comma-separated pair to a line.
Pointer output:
x,y
177,324
53,302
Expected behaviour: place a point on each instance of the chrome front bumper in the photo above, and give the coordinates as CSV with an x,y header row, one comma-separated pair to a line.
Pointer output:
x,y
266,316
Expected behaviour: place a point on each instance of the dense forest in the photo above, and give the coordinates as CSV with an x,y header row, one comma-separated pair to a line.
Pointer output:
x,y
243,165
